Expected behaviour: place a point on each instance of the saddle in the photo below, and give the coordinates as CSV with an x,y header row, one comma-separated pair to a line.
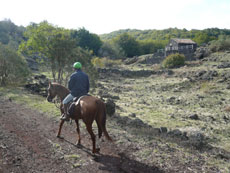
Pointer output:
x,y
74,106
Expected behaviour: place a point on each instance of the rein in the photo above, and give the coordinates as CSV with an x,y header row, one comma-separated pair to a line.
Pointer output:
x,y
57,102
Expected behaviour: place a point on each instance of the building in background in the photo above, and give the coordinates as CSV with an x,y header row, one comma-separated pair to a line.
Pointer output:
x,y
182,46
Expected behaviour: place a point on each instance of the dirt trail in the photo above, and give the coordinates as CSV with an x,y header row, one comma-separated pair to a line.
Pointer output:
x,y
28,143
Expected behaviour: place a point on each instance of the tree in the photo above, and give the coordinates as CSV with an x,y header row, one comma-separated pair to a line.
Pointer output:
x,y
87,40
53,44
222,44
13,67
166,34
110,50
201,37
129,44
85,57
150,46
57,49
10,34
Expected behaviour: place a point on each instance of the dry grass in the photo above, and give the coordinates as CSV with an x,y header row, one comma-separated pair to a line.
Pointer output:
x,y
227,108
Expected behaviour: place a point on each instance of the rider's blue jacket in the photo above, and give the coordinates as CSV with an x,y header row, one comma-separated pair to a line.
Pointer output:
x,y
78,83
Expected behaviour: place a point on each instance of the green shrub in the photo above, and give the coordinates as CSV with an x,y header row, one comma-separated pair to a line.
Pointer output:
x,y
173,60
105,62
220,45
111,50
97,62
13,67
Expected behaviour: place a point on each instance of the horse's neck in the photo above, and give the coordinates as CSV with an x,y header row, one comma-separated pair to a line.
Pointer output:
x,y
63,92
63,96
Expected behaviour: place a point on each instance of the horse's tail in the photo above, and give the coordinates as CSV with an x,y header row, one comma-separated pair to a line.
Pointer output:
x,y
103,119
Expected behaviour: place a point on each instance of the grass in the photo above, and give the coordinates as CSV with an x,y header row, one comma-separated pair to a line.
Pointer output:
x,y
207,87
149,99
21,96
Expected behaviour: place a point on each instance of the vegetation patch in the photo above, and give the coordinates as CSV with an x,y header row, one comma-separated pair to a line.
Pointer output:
x,y
21,96
173,60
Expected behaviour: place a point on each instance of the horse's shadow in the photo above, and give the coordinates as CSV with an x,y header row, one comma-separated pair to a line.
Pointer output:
x,y
117,164
79,146
124,164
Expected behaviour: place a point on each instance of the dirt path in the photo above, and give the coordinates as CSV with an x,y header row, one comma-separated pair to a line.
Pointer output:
x,y
28,143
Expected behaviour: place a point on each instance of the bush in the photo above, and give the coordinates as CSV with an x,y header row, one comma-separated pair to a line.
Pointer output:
x,y
98,62
173,60
105,62
220,45
129,44
13,67
111,50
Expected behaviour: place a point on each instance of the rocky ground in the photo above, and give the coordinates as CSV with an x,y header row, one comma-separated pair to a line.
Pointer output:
x,y
189,105
174,120
28,143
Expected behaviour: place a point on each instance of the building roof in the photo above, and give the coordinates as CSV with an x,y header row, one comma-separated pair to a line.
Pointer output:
x,y
183,41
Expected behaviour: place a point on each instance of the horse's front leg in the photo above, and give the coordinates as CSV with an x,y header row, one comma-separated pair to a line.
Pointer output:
x,y
60,127
93,137
62,109
78,132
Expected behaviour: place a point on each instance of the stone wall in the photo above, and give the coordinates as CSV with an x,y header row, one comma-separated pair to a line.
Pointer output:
x,y
33,65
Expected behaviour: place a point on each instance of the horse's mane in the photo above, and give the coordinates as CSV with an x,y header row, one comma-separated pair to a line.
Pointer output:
x,y
57,85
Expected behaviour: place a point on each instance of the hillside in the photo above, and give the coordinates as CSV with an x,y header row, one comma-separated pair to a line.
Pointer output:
x,y
11,34
166,120
199,36
178,113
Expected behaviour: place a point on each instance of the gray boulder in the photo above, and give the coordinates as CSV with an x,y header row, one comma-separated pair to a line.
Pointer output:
x,y
201,52
110,107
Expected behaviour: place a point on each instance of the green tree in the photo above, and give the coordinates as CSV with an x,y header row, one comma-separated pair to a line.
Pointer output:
x,y
10,34
128,43
150,46
13,67
147,47
87,40
201,37
85,57
222,44
53,44
4,38
111,50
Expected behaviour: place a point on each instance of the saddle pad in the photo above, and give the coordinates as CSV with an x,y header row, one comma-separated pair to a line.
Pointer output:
x,y
72,105
77,100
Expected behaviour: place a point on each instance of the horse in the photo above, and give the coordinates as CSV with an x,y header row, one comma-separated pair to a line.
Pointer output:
x,y
88,108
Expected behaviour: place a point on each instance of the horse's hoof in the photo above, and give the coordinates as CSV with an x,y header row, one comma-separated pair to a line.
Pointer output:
x,y
60,137
97,150
79,145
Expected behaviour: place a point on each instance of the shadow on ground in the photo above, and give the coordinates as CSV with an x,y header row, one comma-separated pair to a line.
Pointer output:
x,y
117,164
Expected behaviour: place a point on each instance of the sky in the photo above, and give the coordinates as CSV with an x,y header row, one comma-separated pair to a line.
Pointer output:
x,y
105,16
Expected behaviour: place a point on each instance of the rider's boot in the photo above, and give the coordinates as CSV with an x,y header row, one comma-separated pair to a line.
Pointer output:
x,y
66,114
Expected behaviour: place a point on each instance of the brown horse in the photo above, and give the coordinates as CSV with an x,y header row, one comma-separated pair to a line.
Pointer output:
x,y
88,109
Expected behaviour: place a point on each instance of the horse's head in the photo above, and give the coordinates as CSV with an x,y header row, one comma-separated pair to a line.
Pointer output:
x,y
51,92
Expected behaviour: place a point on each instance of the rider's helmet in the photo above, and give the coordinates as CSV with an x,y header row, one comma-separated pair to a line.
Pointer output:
x,y
77,65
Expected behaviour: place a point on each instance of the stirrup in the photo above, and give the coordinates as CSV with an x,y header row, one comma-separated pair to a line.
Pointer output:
x,y
62,116
65,118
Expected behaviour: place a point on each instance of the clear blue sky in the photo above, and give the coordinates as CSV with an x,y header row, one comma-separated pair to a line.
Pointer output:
x,y
104,16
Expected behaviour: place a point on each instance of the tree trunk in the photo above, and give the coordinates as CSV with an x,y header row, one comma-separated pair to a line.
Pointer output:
x,y
54,75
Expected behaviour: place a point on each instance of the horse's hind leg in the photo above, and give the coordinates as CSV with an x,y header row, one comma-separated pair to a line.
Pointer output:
x,y
99,129
60,127
78,132
93,137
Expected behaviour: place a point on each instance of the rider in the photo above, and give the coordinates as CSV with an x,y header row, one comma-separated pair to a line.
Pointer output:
x,y
78,86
